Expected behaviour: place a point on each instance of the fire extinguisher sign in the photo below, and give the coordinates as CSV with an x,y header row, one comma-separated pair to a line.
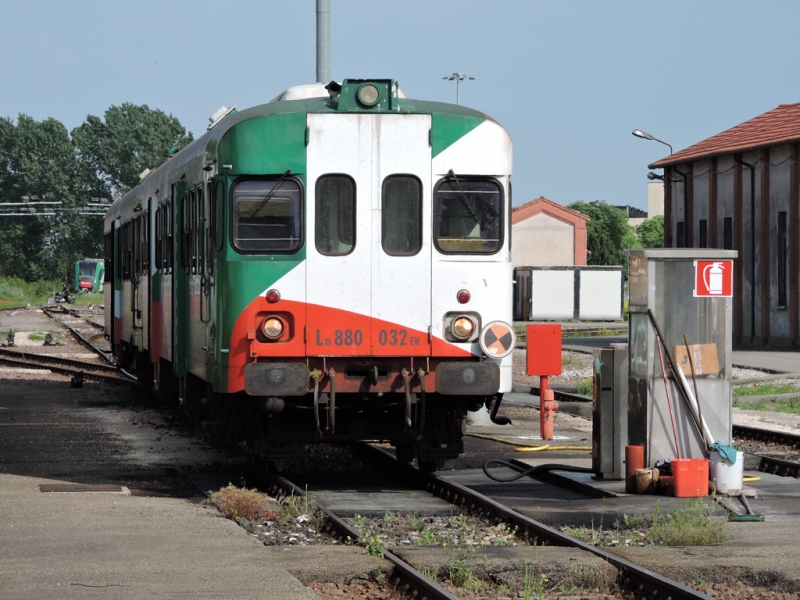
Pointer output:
x,y
713,278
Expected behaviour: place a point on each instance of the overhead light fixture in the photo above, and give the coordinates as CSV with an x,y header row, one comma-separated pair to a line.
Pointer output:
x,y
651,176
646,136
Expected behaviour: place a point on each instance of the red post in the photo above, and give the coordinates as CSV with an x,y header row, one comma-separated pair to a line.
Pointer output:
x,y
547,409
544,359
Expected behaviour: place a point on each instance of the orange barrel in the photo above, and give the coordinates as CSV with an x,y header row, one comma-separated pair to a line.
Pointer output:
x,y
634,459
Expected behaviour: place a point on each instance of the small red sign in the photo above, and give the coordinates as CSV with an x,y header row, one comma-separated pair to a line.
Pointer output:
x,y
713,278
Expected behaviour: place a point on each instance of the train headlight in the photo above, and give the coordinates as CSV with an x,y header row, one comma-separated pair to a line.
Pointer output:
x,y
272,327
368,95
462,328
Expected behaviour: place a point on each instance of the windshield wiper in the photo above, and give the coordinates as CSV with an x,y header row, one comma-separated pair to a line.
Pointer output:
x,y
268,196
463,196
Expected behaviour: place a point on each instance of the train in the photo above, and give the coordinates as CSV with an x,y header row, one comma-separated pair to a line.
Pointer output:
x,y
89,275
331,266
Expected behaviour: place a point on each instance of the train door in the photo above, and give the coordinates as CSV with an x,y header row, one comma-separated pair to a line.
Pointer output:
x,y
368,249
180,280
401,257
339,238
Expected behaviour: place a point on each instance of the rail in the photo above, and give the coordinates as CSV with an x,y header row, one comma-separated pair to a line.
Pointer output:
x,y
425,587
79,336
33,363
474,501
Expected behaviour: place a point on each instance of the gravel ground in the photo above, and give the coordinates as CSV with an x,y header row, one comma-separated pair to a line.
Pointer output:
x,y
576,366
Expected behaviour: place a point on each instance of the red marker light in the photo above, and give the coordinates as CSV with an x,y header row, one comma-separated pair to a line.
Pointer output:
x,y
463,296
273,296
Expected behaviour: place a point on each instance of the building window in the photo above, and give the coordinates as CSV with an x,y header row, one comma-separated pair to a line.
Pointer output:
x,y
680,236
727,234
782,251
703,233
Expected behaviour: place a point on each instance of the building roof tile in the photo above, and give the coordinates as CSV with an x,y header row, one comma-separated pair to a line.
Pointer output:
x,y
777,126
542,204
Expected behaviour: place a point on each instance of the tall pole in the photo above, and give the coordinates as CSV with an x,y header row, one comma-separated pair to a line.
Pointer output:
x,y
457,82
323,41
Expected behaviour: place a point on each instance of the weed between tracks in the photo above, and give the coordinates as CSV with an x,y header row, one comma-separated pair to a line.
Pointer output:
x,y
286,520
691,525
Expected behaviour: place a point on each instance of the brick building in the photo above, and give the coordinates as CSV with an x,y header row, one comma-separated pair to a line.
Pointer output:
x,y
740,190
545,233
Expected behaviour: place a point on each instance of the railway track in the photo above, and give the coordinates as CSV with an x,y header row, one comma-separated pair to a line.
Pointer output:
x,y
649,582
566,334
79,371
563,396
772,464
86,341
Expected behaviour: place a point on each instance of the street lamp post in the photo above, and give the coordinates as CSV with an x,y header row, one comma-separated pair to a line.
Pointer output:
x,y
647,136
458,78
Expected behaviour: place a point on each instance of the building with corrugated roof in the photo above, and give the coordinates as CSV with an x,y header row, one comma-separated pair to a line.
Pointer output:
x,y
740,190
545,233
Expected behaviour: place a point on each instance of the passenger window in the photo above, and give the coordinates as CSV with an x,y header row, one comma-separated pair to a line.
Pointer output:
x,y
267,216
335,209
468,216
401,215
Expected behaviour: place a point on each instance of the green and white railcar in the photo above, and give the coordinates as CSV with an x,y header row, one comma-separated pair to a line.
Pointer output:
x,y
332,265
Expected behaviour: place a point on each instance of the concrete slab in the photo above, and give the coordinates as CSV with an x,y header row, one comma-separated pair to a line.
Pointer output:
x,y
766,360
114,546
764,554
329,564
506,564
377,500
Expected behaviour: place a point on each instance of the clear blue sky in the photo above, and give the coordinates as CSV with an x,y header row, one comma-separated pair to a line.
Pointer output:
x,y
569,80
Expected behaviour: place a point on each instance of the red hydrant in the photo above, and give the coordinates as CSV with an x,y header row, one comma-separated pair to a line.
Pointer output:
x,y
547,409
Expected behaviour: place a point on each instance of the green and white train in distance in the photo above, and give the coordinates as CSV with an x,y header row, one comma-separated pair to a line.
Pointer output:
x,y
89,275
332,265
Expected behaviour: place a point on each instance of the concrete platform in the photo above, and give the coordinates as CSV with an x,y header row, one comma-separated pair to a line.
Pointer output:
x,y
160,541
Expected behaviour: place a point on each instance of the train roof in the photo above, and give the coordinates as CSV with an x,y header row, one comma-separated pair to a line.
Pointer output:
x,y
337,98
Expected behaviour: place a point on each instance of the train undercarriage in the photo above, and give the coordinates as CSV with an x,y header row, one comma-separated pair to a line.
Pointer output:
x,y
422,426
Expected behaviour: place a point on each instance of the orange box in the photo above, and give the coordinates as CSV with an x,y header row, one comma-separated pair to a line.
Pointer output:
x,y
691,477
544,349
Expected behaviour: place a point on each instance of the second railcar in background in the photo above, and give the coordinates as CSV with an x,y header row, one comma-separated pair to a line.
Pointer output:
x,y
89,275
333,265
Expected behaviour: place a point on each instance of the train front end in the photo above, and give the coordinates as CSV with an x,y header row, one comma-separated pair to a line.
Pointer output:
x,y
371,262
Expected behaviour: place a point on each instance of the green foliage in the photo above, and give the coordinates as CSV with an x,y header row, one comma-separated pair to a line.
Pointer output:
x,y
99,158
533,583
461,573
650,234
688,526
789,405
764,389
585,386
608,233
129,139
15,292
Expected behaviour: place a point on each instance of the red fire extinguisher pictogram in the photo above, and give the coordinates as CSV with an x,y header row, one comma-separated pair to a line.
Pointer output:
x,y
713,278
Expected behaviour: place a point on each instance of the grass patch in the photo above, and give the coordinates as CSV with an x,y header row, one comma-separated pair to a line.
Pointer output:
x,y
688,526
788,405
16,293
764,389
585,386
243,504
87,299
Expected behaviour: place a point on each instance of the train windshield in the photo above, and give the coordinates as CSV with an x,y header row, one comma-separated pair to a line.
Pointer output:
x,y
468,216
87,268
267,216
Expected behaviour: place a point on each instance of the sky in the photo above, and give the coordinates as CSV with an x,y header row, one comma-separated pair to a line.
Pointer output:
x,y
569,80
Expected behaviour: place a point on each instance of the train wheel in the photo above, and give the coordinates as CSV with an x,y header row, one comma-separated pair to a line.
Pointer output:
x,y
428,466
405,453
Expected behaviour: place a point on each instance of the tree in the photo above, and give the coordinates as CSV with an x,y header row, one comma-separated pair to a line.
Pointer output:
x,y
131,138
39,159
608,233
102,157
651,232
